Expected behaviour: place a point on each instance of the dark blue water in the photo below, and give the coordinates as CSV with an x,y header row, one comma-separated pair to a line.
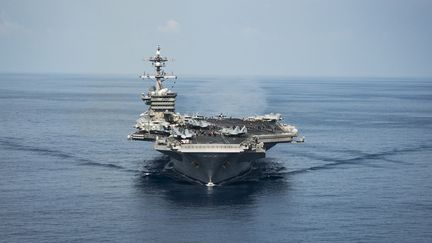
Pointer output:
x,y
67,172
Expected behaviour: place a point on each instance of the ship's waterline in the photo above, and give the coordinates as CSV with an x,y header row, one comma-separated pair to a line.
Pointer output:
x,y
215,167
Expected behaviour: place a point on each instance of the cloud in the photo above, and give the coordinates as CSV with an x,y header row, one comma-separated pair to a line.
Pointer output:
x,y
9,27
250,31
171,26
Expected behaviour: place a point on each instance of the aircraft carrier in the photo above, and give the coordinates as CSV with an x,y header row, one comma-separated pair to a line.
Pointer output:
x,y
208,150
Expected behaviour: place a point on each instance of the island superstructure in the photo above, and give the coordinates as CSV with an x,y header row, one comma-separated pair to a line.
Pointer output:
x,y
209,150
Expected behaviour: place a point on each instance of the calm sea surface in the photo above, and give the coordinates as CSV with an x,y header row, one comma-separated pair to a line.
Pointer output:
x,y
68,173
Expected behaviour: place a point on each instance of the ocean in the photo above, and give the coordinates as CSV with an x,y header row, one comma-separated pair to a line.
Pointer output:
x,y
69,174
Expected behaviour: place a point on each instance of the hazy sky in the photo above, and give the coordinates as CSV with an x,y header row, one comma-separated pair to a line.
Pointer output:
x,y
290,38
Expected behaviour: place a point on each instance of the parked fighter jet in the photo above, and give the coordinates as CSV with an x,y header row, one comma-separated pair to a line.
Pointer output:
x,y
234,131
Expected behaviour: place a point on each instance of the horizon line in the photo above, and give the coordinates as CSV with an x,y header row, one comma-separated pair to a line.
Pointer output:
x,y
222,75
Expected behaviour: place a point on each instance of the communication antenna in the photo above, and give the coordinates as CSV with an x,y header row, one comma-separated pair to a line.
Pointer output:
x,y
160,76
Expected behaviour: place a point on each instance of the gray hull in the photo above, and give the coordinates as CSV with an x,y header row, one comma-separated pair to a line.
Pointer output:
x,y
214,167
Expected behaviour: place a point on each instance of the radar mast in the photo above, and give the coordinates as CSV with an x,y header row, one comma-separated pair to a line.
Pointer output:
x,y
158,62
